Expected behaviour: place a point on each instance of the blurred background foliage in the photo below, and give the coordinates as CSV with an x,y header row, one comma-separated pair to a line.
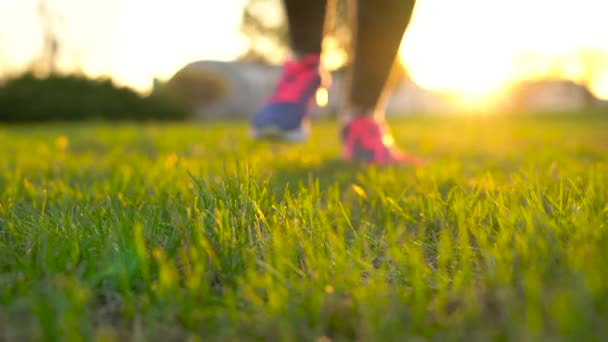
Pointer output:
x,y
44,92
30,98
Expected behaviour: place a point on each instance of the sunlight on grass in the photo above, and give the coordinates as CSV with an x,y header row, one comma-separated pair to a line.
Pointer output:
x,y
169,232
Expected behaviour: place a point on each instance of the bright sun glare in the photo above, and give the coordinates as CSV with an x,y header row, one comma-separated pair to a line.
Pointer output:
x,y
470,47
466,47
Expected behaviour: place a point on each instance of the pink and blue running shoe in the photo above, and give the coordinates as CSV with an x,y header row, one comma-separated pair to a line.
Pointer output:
x,y
285,115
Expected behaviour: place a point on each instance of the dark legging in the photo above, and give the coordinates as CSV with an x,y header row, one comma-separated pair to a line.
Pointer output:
x,y
378,27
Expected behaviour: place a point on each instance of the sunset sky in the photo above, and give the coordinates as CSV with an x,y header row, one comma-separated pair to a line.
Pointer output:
x,y
465,46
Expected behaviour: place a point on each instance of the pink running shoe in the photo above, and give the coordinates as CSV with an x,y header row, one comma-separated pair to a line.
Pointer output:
x,y
285,115
367,140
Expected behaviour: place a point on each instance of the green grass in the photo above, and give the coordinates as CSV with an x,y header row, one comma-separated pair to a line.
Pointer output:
x,y
153,232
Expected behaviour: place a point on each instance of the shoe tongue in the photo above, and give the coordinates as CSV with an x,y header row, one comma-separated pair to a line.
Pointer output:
x,y
308,61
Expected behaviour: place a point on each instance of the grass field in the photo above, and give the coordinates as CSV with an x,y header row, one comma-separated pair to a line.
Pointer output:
x,y
173,232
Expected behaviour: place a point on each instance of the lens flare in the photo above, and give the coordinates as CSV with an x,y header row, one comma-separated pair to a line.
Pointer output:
x,y
322,97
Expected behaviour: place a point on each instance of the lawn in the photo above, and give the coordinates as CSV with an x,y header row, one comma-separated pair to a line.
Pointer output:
x,y
187,231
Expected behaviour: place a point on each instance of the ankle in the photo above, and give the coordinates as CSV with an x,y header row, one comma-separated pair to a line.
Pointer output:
x,y
311,57
353,113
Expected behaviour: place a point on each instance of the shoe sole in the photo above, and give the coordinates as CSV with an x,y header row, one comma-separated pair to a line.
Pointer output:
x,y
274,133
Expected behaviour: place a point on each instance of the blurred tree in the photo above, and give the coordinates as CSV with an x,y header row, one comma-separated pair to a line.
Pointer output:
x,y
47,61
55,54
265,26
28,98
3,59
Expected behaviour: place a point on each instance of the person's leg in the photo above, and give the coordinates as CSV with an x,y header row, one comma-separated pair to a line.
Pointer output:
x,y
285,114
305,20
379,29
